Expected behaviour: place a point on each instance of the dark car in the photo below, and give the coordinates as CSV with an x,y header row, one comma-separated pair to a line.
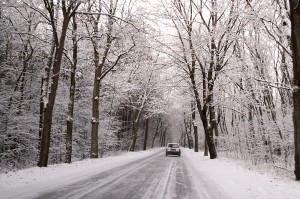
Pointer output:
x,y
173,149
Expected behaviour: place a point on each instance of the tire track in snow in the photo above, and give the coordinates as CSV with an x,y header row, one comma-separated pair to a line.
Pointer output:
x,y
99,181
159,186
156,177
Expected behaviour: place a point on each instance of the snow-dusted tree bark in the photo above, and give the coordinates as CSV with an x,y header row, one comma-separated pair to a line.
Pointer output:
x,y
295,42
146,134
70,120
195,127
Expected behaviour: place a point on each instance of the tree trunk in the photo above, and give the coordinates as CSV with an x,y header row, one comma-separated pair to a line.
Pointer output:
x,y
70,119
295,41
208,135
196,148
203,112
196,137
184,140
44,90
146,134
189,140
135,125
161,139
188,130
205,147
95,112
156,132
164,139
134,136
213,121
97,84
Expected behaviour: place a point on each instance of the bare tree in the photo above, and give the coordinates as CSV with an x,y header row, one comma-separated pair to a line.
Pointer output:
x,y
102,57
70,120
138,102
295,41
190,61
55,58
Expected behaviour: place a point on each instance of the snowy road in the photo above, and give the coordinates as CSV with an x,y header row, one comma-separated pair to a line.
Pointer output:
x,y
156,177
147,174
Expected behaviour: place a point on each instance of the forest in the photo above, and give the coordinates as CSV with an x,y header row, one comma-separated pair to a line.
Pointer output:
x,y
92,78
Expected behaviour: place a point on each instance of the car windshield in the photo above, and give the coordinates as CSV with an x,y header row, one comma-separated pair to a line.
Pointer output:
x,y
173,145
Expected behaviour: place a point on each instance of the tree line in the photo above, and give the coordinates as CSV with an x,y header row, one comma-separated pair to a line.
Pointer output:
x,y
72,68
81,79
239,61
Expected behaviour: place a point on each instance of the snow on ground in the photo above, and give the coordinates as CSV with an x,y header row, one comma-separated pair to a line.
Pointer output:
x,y
234,180
241,183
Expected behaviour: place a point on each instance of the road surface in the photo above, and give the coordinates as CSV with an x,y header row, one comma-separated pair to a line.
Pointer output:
x,y
155,176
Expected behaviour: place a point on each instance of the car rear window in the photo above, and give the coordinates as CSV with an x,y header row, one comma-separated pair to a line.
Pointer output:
x,y
173,145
